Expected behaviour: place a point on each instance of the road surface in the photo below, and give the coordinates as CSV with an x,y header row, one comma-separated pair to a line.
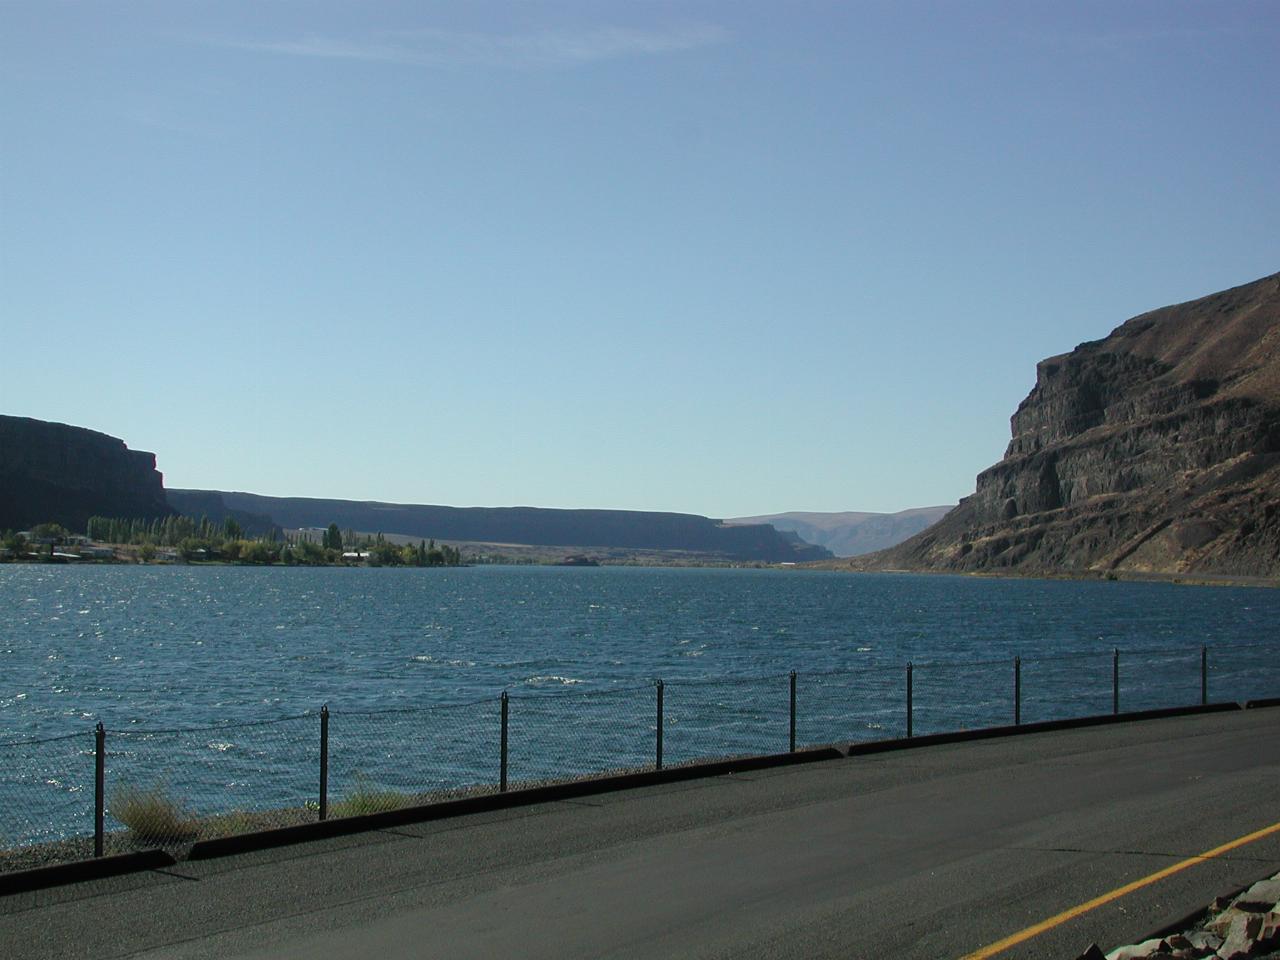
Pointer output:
x,y
923,853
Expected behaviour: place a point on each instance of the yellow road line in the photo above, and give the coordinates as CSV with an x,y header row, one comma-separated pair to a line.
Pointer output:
x,y
1036,929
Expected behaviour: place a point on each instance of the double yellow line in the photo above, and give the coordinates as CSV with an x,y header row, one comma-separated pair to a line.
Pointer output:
x,y
1036,929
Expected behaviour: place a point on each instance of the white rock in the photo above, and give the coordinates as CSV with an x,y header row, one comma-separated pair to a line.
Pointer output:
x,y
1264,893
1242,936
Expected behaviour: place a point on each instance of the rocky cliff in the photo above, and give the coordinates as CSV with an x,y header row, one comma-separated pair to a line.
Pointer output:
x,y
1155,449
52,472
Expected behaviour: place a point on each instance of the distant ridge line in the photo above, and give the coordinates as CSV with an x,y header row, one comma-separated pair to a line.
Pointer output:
x,y
536,526
852,533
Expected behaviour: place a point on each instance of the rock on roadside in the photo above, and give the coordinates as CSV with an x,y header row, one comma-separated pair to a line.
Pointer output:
x,y
1244,928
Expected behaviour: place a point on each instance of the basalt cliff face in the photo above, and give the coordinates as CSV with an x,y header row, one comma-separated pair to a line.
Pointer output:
x,y
1153,450
52,472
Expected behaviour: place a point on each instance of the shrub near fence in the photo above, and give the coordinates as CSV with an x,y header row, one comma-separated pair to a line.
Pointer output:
x,y
169,787
71,797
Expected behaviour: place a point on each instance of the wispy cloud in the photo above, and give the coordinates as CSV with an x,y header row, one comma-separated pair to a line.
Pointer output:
x,y
543,48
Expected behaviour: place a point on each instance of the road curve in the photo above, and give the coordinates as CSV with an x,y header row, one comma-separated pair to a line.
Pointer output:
x,y
924,853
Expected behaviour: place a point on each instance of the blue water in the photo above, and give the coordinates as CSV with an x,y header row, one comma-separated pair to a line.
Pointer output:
x,y
411,662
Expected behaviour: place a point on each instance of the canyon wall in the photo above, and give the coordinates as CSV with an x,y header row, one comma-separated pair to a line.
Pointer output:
x,y
52,472
1155,449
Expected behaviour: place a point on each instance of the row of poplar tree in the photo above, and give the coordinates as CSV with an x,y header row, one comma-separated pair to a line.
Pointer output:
x,y
204,539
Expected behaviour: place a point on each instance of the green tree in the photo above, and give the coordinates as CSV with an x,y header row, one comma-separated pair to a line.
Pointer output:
x,y
231,530
333,538
310,553
257,551
53,531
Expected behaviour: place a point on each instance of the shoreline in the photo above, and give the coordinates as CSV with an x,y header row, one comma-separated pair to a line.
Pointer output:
x,y
1189,578
845,565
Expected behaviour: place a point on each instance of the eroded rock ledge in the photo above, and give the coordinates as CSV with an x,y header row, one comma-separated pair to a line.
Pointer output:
x,y
1154,450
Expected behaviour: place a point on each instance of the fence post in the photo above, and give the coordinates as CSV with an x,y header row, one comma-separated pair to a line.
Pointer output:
x,y
657,760
1115,682
502,748
324,762
910,670
1017,691
99,783
1204,676
793,711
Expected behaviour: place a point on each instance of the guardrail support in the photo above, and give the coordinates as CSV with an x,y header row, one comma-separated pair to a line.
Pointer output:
x,y
324,762
793,711
1017,691
1204,676
502,748
1115,682
910,671
99,783
657,760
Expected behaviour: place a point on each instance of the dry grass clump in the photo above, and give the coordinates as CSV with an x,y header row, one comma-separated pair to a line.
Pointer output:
x,y
364,800
153,817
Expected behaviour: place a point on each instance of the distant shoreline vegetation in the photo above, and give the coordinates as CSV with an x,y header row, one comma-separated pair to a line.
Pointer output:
x,y
178,539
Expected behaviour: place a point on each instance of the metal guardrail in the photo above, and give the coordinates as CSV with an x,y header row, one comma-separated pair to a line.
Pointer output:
x,y
245,777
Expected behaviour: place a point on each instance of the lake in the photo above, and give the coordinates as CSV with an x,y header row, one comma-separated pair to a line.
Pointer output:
x,y
210,679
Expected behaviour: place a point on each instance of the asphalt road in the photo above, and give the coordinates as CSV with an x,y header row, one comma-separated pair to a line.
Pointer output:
x,y
923,853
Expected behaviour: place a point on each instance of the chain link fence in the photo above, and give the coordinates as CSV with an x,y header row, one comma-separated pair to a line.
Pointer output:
x,y
173,787
1150,679
850,707
381,760
170,788
949,697
556,737
1061,687
1236,671
714,719
46,800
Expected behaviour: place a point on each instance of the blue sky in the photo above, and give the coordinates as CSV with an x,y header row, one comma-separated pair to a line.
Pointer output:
x,y
725,258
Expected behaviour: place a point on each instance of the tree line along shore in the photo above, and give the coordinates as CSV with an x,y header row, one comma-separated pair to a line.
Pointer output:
x,y
179,539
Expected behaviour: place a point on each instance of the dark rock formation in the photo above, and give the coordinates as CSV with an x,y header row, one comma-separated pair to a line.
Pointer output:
x,y
1156,449
630,529
51,472
852,533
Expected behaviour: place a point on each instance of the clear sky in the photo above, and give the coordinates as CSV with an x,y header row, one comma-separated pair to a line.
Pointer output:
x,y
725,258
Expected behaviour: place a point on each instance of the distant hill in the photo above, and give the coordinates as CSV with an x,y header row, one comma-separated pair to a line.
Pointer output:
x,y
639,530
53,472
852,534
1153,450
